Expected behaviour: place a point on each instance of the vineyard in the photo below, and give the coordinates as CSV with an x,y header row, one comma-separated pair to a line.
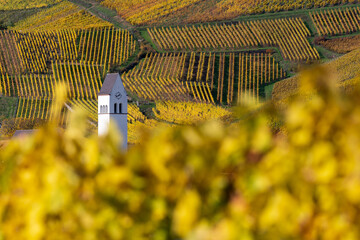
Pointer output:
x,y
82,80
167,112
40,108
188,112
238,7
21,4
10,59
342,45
107,46
346,67
157,78
140,12
33,63
204,77
136,119
290,35
184,69
63,16
33,52
232,131
335,22
245,76
34,108
160,12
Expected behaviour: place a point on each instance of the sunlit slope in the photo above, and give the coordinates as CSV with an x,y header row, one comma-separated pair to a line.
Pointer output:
x,y
22,4
342,45
62,16
139,12
345,68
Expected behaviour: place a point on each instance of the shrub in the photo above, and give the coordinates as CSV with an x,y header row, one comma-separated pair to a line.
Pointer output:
x,y
242,181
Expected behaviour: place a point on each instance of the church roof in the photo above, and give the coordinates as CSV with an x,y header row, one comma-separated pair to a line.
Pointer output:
x,y
108,84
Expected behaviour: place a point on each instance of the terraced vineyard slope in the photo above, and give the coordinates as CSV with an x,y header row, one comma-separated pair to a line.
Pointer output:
x,y
38,61
160,12
336,22
64,15
21,4
290,35
204,76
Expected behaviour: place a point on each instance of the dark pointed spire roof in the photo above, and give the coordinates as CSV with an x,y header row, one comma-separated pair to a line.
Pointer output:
x,y
108,84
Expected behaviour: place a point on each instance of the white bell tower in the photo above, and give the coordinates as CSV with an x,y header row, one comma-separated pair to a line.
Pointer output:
x,y
112,106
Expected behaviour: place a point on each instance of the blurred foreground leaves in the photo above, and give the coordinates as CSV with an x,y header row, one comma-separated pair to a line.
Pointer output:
x,y
211,182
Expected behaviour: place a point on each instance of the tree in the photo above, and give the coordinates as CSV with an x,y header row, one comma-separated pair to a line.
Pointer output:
x,y
2,25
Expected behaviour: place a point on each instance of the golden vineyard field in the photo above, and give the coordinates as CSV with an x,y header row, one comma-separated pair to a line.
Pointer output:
x,y
336,22
38,61
178,76
23,4
64,15
226,140
147,12
226,63
290,35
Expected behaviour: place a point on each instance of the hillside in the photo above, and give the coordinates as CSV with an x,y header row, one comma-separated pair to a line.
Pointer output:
x,y
64,15
25,4
150,12
164,63
217,150
345,68
341,45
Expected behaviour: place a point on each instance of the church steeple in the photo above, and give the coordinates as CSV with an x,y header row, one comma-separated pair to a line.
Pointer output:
x,y
112,106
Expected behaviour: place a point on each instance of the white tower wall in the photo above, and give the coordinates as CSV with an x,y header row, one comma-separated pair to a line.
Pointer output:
x,y
103,118
112,107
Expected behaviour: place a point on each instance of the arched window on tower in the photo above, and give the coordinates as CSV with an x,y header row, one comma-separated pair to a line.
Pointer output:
x,y
115,107
120,108
101,109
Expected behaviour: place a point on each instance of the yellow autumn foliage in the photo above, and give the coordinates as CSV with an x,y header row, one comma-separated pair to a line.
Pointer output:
x,y
207,182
